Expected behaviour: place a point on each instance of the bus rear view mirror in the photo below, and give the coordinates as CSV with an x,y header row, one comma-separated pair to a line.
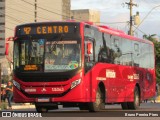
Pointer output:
x,y
10,38
89,48
7,49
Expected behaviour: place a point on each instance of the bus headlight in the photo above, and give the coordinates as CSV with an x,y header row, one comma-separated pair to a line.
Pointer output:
x,y
75,83
16,84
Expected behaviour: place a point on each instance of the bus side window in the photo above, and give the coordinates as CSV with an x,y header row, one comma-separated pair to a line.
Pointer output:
x,y
105,51
116,50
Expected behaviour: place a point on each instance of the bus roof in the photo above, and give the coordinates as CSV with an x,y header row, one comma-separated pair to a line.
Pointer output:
x,y
101,28
116,32
122,34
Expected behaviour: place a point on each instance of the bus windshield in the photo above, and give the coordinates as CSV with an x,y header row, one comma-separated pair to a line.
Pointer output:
x,y
48,55
62,55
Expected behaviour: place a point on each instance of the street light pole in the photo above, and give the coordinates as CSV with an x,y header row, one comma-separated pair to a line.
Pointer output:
x,y
147,16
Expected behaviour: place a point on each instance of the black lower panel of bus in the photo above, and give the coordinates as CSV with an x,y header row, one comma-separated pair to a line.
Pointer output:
x,y
46,77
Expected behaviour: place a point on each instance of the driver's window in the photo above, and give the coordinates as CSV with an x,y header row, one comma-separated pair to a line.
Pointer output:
x,y
89,57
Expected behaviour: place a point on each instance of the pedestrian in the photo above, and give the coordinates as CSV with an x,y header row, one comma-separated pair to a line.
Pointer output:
x,y
3,94
145,100
9,93
157,89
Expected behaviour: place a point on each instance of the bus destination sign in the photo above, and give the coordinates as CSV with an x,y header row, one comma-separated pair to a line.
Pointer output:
x,y
46,29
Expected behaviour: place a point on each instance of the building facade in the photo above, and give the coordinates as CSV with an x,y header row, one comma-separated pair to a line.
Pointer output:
x,y
86,15
20,12
15,12
2,28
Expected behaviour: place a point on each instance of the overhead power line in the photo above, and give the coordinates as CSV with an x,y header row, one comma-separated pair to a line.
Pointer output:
x,y
147,16
26,13
139,30
45,9
9,28
28,10
15,19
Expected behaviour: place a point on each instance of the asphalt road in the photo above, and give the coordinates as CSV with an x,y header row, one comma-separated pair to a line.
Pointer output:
x,y
115,107
147,111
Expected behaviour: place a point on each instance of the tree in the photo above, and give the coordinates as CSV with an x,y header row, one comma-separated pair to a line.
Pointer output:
x,y
157,54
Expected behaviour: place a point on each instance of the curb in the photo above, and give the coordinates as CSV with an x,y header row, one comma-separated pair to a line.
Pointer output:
x,y
158,99
18,106
23,106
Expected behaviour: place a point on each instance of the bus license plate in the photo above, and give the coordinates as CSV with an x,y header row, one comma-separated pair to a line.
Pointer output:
x,y
43,100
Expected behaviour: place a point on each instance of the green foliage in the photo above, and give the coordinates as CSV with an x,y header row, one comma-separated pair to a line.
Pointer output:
x,y
157,54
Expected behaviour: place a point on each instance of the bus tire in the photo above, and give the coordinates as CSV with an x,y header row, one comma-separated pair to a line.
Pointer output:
x,y
136,103
124,105
99,103
83,106
41,109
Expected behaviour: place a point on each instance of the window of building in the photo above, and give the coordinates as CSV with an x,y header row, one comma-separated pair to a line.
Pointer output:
x,y
2,38
2,31
1,46
2,8
2,15
1,54
2,23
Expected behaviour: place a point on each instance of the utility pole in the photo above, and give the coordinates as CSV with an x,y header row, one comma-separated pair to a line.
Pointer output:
x,y
35,11
131,4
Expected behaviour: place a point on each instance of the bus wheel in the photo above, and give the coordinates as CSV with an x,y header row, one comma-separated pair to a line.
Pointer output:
x,y
136,103
124,105
41,109
99,104
83,107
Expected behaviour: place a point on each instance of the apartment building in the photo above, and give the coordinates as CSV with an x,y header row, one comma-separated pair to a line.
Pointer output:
x,y
2,28
86,15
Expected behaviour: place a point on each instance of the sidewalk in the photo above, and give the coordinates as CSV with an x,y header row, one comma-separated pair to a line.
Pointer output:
x,y
22,106
18,106
31,106
158,99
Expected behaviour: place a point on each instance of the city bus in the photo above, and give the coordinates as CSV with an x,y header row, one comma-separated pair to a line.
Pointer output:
x,y
79,64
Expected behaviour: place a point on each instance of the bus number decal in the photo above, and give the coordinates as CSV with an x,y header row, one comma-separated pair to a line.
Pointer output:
x,y
57,89
110,74
133,77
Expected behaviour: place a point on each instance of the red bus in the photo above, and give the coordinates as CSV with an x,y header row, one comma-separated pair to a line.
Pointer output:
x,y
78,64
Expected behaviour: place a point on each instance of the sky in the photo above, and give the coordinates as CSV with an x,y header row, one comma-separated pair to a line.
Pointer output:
x,y
114,11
